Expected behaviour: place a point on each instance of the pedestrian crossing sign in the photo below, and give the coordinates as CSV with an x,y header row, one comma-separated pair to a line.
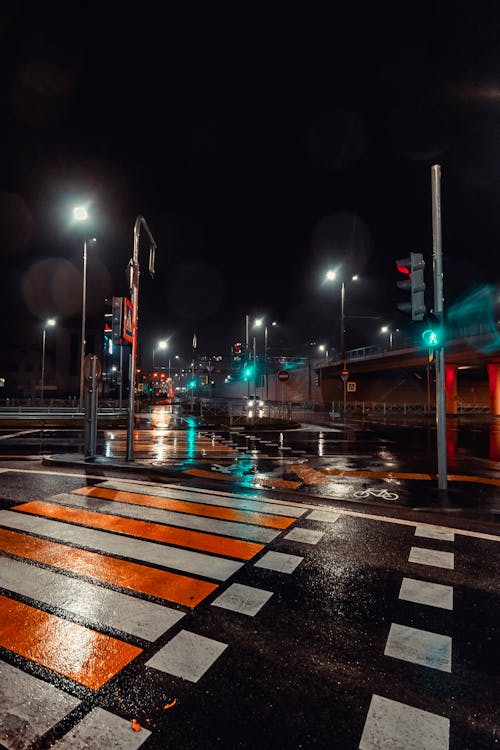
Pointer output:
x,y
128,317
351,386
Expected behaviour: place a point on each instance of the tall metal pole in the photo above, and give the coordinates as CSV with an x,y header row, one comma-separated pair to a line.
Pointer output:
x,y
84,305
134,293
43,363
342,350
265,363
438,311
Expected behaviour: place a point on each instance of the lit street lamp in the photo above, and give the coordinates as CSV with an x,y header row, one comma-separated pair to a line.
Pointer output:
x,y
80,214
330,276
48,324
386,329
161,345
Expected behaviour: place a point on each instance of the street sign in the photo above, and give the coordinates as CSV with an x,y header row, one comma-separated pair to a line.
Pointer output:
x,y
344,375
87,366
128,316
283,376
351,386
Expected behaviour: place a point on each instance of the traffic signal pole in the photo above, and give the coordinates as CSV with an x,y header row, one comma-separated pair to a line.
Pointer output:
x,y
439,311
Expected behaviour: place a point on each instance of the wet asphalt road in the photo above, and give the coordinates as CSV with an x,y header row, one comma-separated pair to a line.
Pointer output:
x,y
236,592
135,608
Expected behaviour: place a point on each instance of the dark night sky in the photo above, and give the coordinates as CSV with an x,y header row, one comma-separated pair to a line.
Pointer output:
x,y
261,148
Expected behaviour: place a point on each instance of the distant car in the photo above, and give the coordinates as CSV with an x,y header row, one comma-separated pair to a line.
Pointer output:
x,y
255,406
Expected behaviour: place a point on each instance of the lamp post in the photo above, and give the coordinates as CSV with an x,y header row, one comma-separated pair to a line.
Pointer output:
x,y
50,323
386,329
161,345
330,276
80,213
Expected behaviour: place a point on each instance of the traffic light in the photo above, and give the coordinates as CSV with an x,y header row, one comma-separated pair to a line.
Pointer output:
x,y
413,267
433,332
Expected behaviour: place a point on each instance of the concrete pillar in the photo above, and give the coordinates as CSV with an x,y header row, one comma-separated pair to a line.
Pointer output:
x,y
494,382
450,387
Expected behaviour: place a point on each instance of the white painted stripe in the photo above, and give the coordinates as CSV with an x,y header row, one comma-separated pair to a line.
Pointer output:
x,y
445,534
419,646
102,729
307,536
325,516
246,600
29,707
425,592
187,655
210,498
435,557
97,605
197,563
17,434
157,515
390,724
279,561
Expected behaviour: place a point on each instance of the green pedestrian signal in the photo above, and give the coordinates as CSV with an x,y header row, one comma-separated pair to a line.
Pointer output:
x,y
433,334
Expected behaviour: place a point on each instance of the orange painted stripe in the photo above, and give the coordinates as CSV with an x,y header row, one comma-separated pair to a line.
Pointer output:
x,y
408,475
81,654
220,545
173,587
203,474
197,509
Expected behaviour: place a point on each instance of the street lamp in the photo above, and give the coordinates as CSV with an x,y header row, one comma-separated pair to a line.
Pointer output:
x,y
161,345
80,213
331,276
50,323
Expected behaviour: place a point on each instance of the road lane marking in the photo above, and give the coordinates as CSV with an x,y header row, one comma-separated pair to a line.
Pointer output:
x,y
246,600
145,530
392,724
204,474
443,534
435,557
179,510
188,561
30,703
97,605
306,536
407,475
162,584
279,561
419,647
187,655
78,653
17,434
425,592
102,729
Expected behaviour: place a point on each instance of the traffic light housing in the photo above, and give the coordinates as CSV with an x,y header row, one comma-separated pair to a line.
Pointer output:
x,y
413,267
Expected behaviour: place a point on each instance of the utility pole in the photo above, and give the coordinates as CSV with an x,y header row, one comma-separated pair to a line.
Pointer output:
x,y
439,312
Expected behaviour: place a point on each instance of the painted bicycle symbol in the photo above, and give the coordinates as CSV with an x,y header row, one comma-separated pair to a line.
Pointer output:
x,y
385,494
223,469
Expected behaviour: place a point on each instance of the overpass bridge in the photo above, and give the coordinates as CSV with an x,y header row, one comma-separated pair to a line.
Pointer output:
x,y
472,374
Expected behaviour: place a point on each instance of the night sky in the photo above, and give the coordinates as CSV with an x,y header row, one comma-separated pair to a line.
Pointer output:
x,y
262,147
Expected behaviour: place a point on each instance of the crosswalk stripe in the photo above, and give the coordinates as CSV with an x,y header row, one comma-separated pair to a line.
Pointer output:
x,y
38,704
146,530
162,584
201,509
100,728
78,653
234,529
220,498
188,561
98,605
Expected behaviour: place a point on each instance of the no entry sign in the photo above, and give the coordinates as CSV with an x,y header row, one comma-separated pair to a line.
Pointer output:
x,y
283,376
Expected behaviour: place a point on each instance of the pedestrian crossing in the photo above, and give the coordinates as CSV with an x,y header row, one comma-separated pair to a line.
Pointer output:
x,y
93,578
99,581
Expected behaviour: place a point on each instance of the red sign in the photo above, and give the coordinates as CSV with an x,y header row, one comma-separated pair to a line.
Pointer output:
x,y
283,376
344,375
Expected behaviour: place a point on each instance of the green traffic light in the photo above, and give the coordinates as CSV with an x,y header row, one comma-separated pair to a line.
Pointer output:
x,y
431,338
